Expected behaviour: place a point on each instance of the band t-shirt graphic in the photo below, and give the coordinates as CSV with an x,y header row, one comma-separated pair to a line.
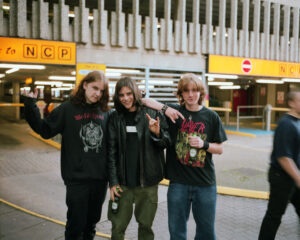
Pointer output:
x,y
183,149
91,135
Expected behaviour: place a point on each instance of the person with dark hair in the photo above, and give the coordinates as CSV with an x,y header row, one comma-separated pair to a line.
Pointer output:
x,y
284,171
82,123
196,134
137,138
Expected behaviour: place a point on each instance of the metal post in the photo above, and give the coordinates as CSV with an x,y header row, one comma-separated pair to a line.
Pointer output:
x,y
238,119
268,110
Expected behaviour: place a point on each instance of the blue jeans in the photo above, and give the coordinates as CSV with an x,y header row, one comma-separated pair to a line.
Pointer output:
x,y
202,199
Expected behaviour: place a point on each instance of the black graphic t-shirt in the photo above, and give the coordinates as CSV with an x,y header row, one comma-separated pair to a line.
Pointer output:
x,y
193,166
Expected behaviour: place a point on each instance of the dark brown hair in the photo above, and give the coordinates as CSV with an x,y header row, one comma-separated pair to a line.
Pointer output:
x,y
78,94
127,82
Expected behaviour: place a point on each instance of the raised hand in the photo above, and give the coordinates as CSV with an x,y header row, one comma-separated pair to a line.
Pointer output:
x,y
173,114
154,125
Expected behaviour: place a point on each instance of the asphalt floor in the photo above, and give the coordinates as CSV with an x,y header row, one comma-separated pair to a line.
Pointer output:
x,y
32,194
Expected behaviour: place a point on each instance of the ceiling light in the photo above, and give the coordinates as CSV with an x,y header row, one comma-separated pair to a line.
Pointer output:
x,y
112,74
22,66
12,70
62,78
293,80
274,81
221,76
52,83
61,88
116,70
2,75
230,87
220,83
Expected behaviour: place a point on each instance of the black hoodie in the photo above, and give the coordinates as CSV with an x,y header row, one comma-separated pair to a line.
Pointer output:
x,y
83,129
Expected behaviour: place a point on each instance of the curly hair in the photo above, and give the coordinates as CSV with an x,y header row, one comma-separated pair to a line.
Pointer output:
x,y
78,94
185,79
127,82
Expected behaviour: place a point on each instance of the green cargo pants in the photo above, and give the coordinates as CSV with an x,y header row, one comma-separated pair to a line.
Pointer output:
x,y
145,201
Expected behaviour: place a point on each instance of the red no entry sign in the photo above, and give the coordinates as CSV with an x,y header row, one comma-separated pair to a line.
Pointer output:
x,y
246,66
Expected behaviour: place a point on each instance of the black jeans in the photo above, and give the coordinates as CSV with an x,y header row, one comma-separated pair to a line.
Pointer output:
x,y
282,191
84,200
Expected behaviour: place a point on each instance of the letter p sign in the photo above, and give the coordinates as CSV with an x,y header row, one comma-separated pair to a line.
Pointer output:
x,y
64,53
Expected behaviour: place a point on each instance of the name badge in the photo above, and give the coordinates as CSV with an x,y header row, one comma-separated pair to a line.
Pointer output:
x,y
131,129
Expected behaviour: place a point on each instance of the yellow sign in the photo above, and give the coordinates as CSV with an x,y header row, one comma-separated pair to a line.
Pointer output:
x,y
83,69
37,51
252,67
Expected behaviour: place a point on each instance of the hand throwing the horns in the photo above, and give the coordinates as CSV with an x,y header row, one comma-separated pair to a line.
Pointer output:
x,y
154,125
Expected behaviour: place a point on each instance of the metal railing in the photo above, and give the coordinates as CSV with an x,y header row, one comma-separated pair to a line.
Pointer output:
x,y
238,117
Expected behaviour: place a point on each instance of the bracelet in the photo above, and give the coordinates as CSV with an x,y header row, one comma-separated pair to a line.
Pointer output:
x,y
164,108
205,145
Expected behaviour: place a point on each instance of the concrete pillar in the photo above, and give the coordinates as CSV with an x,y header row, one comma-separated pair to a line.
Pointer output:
x,y
81,23
233,25
16,98
180,27
166,39
222,26
286,33
39,23
99,24
209,28
17,18
271,97
295,55
256,29
245,26
151,27
117,32
134,26
276,32
266,37
194,30
61,21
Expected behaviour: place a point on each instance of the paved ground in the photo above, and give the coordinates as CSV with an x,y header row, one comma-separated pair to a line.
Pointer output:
x,y
32,204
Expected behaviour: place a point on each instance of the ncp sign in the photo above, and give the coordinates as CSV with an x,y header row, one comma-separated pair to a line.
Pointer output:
x,y
252,67
37,51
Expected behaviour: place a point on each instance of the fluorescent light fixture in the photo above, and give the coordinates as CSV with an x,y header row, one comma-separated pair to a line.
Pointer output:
x,y
210,75
25,89
22,66
52,83
61,88
112,74
2,75
62,78
230,87
220,83
12,70
70,85
117,70
269,81
292,80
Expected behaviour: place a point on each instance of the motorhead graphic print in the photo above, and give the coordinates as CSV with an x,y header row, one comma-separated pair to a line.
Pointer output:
x,y
185,154
91,135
